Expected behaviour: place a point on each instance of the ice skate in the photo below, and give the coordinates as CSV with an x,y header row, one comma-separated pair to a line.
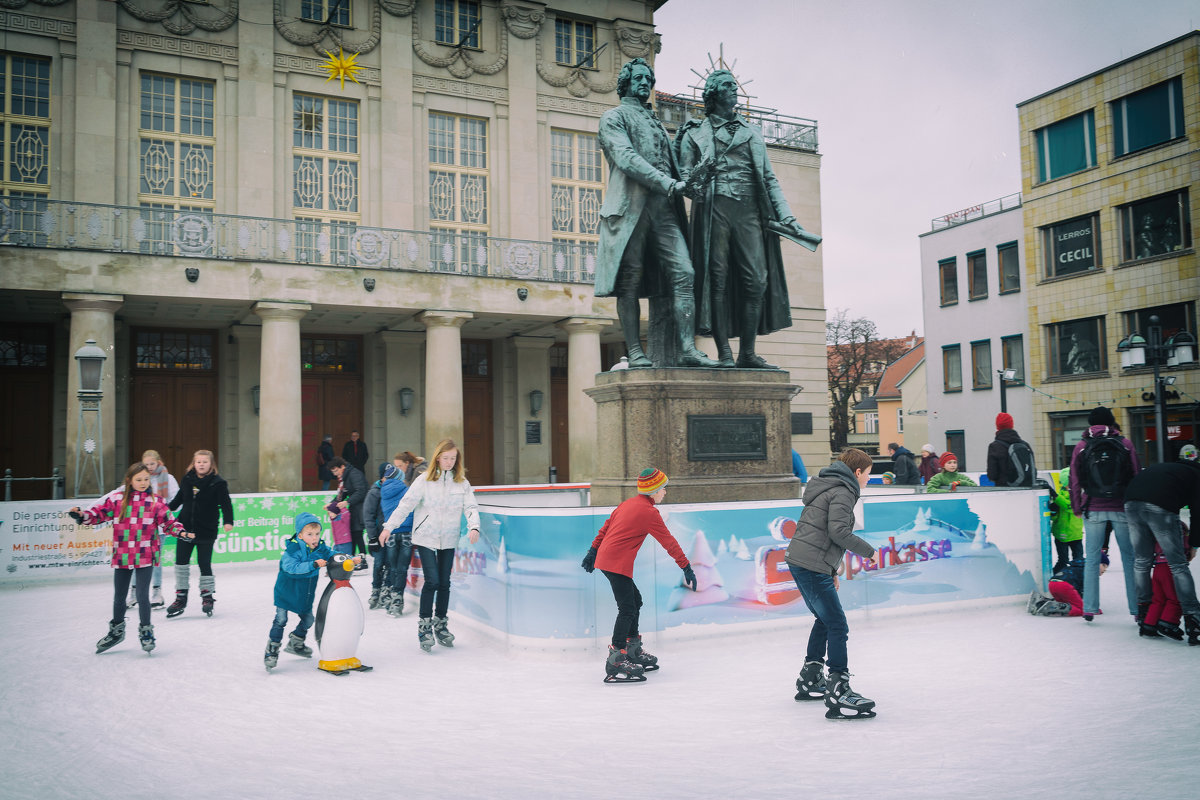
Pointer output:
x,y
396,606
842,702
1170,631
619,669
425,633
146,637
811,683
633,648
1148,631
1192,624
443,635
1052,608
373,601
176,608
271,656
156,598
296,646
115,635
206,602
1036,598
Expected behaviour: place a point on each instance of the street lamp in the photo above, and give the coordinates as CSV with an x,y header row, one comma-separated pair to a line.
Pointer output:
x,y
90,439
1006,375
1137,351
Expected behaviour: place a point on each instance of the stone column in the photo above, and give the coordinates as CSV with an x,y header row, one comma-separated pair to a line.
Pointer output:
x,y
280,438
92,317
583,362
443,375
533,372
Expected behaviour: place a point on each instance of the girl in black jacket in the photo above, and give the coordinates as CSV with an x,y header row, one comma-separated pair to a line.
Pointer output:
x,y
203,500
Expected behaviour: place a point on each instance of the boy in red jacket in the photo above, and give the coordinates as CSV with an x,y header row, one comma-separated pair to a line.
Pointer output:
x,y
613,551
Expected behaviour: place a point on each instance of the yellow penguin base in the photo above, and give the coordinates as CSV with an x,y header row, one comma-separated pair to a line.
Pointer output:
x,y
341,665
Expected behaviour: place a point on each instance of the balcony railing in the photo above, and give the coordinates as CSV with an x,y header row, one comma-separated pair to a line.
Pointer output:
x,y
777,129
977,212
62,225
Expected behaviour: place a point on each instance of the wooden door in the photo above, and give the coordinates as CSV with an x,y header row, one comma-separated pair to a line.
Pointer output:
x,y
560,446
331,404
312,422
26,408
477,430
175,414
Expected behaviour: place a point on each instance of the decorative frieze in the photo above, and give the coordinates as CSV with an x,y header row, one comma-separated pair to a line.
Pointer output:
x,y
460,88
313,66
181,17
41,26
172,45
522,22
550,102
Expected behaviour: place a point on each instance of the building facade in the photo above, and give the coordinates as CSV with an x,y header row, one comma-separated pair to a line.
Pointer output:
x,y
1110,173
267,255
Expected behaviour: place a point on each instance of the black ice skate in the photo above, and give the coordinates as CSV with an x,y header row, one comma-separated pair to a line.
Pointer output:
x,y
176,608
395,606
633,648
1193,629
1148,631
374,602
811,683
443,635
1170,631
115,635
271,656
425,633
206,602
296,646
619,669
842,702
146,637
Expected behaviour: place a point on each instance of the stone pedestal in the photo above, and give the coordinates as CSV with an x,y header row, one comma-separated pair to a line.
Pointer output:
x,y
719,434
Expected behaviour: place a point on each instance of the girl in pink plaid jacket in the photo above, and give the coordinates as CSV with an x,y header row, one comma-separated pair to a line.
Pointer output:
x,y
137,515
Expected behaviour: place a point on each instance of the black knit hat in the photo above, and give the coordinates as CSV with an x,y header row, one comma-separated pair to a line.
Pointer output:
x,y
1102,416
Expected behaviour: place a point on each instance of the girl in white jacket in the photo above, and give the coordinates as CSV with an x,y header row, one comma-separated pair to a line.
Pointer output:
x,y
438,499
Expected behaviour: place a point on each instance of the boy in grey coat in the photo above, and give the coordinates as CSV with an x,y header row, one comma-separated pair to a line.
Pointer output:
x,y
824,532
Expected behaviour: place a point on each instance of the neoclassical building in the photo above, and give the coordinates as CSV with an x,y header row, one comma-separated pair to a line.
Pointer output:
x,y
268,251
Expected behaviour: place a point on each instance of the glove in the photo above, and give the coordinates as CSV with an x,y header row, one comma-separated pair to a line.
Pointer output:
x,y
373,546
689,577
589,561
954,486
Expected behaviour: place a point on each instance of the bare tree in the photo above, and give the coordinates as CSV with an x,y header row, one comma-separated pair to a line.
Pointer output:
x,y
855,355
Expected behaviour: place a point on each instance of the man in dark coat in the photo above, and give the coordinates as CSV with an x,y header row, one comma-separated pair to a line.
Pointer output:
x,y
1000,468
324,456
906,465
352,494
355,452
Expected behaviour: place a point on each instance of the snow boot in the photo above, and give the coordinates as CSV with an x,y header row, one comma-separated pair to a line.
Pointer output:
x,y
297,646
176,608
633,648
271,656
115,635
811,683
208,586
444,637
396,604
146,637
619,669
156,598
1192,624
842,702
425,633
373,603
1170,630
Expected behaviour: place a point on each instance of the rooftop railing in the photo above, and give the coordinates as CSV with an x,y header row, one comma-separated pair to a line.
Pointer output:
x,y
777,129
977,212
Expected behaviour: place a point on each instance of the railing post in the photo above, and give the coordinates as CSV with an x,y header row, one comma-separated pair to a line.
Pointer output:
x,y
8,485
58,490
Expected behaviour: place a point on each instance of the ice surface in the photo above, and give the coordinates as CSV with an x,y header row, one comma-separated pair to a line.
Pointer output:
x,y
982,703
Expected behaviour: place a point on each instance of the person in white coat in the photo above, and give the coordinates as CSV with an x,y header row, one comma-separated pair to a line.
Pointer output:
x,y
438,499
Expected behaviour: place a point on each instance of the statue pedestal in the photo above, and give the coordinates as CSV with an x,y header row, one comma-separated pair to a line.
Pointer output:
x,y
719,434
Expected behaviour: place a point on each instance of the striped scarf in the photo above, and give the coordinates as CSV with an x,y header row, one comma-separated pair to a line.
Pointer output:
x,y
158,481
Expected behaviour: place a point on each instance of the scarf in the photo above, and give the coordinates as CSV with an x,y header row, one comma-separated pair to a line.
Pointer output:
x,y
158,481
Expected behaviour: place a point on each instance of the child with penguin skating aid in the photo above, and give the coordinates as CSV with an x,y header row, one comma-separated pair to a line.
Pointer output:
x,y
295,587
614,550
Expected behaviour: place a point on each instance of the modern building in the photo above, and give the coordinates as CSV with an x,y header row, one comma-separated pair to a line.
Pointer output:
x,y
973,298
280,220
1110,172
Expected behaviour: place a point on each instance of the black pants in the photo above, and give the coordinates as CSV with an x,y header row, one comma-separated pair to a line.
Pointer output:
x,y
436,566
359,541
1063,549
629,604
183,555
121,579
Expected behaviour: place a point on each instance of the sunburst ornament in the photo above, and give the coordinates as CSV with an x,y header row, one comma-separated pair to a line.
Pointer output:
x,y
341,67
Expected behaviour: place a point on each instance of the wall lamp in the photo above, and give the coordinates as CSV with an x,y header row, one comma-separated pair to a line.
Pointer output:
x,y
406,401
255,397
535,401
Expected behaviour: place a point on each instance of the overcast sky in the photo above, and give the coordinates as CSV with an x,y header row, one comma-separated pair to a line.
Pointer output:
x,y
915,103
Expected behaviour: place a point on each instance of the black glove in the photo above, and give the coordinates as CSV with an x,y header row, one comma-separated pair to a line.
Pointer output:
x,y
373,545
75,515
589,561
689,577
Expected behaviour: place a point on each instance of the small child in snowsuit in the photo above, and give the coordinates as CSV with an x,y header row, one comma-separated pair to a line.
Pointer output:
x,y
1163,615
1066,591
296,587
949,479
1064,525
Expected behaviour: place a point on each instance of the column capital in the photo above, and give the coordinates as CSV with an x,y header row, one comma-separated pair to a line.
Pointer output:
x,y
585,324
267,309
532,342
87,301
444,319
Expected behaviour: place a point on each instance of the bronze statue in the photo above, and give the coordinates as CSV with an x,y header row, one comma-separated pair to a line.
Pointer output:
x,y
740,286
643,252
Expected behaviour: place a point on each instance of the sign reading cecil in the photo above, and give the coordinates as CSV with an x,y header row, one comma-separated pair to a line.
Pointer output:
x,y
1073,246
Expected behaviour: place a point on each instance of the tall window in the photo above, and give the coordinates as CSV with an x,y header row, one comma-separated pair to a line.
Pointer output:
x,y
329,355
454,20
325,164
336,12
1066,429
1010,267
981,364
899,420
165,349
1149,117
1156,226
977,275
870,422
576,194
1072,246
1172,319
1013,353
1077,347
25,140
951,368
956,442
458,192
948,281
1066,147
574,42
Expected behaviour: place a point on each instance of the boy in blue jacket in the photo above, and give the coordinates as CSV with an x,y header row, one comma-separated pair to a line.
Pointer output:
x,y
296,586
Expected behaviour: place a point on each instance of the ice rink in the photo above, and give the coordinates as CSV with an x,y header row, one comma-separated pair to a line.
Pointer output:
x,y
980,703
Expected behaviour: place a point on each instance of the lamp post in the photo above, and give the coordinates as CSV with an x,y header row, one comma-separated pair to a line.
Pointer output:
x,y
91,442
1136,351
1006,375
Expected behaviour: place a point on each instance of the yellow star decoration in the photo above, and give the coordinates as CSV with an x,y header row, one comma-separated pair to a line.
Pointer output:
x,y
341,66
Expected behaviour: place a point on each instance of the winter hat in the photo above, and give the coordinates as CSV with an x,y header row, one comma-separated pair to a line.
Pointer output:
x,y
1004,422
389,472
328,437
1102,416
946,458
891,476
928,448
304,519
651,480
1189,453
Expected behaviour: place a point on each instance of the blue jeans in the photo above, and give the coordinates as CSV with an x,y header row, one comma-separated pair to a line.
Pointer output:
x,y
1148,524
1093,533
831,630
281,615
437,566
388,561
347,548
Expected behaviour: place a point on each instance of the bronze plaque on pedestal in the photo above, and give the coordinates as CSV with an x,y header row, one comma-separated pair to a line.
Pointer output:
x,y
727,437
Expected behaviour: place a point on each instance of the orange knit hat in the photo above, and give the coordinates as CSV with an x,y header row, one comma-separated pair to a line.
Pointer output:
x,y
651,480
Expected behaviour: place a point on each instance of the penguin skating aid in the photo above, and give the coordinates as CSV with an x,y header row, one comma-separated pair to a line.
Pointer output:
x,y
339,623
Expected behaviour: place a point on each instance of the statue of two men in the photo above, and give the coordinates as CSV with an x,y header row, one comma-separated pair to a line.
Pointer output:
x,y
738,287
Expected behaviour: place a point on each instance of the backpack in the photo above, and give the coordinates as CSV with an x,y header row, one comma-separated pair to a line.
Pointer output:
x,y
1022,467
1105,468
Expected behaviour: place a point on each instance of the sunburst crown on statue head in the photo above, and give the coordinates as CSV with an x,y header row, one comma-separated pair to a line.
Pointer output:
x,y
716,64
341,67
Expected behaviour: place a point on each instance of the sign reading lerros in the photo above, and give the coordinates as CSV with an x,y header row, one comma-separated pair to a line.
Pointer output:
x,y
1074,248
